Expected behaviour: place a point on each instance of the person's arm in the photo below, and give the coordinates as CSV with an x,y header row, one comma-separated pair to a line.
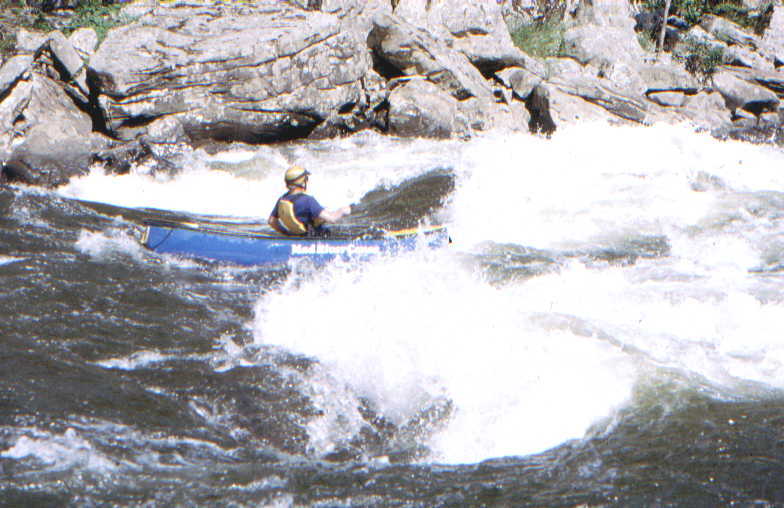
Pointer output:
x,y
334,215
275,224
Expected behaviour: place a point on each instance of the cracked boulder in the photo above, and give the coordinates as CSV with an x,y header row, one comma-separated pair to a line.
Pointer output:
x,y
44,138
477,29
260,72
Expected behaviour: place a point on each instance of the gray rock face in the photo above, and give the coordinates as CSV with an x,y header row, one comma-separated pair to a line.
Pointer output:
x,y
419,108
728,32
739,93
409,50
773,38
84,41
49,136
476,29
256,72
13,70
187,73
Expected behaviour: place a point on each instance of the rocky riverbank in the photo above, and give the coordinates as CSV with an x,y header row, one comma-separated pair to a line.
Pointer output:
x,y
177,75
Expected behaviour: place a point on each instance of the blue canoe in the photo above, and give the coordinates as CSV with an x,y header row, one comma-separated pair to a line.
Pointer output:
x,y
257,248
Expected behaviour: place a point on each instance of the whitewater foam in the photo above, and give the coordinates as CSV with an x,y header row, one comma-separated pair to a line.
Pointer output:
x,y
530,363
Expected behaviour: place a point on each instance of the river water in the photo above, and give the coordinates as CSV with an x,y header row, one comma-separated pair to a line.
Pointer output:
x,y
606,328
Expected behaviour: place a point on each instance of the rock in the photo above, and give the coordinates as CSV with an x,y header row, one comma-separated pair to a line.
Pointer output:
x,y
119,159
707,111
65,57
605,13
739,93
200,72
247,72
14,69
52,5
52,138
572,79
564,69
84,41
519,80
625,77
742,56
479,114
593,44
754,4
422,109
772,80
357,14
597,92
728,32
29,42
568,109
16,98
570,83
138,9
699,35
668,98
409,51
477,29
518,13
661,77
773,38
538,104
602,27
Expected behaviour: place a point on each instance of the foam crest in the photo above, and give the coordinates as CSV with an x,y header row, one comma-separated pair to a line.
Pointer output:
x,y
589,181
107,244
138,360
698,324
244,182
407,332
60,451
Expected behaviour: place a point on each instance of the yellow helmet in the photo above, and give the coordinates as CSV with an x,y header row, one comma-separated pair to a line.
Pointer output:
x,y
295,175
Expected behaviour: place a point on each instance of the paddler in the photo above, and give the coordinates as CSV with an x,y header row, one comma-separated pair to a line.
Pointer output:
x,y
299,214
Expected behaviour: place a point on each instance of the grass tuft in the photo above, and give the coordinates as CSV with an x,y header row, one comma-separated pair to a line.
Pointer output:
x,y
94,14
540,39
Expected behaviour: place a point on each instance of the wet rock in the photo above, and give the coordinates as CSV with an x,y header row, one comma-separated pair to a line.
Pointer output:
x,y
420,108
538,105
49,139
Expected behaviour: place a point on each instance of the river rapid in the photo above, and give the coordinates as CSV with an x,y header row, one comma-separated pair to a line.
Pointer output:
x,y
607,327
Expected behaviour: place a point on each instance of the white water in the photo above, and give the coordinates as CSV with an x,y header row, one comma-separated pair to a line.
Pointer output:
x,y
527,364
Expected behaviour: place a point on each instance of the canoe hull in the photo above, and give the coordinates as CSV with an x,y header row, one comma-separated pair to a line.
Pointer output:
x,y
260,248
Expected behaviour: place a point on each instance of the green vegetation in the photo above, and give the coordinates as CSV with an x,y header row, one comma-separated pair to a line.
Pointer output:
x,y
94,14
7,45
15,14
540,39
690,10
734,10
702,59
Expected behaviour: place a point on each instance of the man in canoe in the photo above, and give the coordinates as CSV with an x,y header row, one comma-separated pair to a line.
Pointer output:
x,y
299,214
